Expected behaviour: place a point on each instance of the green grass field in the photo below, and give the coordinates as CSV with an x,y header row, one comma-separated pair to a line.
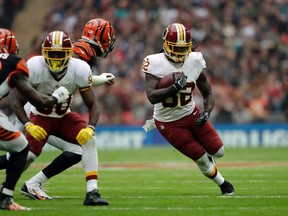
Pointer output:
x,y
162,182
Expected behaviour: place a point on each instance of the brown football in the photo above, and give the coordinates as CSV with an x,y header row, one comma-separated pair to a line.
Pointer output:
x,y
167,80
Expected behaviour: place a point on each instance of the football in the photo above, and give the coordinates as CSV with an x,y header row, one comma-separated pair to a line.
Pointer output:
x,y
167,80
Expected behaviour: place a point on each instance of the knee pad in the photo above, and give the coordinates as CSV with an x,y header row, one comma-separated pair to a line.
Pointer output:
x,y
219,153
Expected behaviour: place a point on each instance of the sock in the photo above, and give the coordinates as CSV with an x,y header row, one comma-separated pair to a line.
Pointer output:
x,y
39,178
61,163
91,185
15,168
7,192
3,162
208,169
218,179
90,164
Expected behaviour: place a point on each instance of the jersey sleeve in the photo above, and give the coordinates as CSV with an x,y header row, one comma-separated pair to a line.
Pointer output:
x,y
201,63
36,69
83,75
150,65
20,68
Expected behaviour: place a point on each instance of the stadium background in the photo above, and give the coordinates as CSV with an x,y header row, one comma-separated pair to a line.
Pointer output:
x,y
243,42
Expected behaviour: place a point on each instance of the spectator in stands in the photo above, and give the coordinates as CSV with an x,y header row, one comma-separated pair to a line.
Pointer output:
x,y
241,41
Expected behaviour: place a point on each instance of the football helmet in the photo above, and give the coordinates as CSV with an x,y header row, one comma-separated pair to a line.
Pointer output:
x,y
57,50
99,32
8,42
177,42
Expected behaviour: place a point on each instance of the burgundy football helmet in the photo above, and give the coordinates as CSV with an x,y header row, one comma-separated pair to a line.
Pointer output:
x,y
8,42
57,50
177,42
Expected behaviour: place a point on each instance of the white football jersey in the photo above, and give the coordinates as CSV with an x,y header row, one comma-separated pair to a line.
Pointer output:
x,y
182,104
78,75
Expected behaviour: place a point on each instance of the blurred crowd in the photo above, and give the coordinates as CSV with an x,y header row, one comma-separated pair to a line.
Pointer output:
x,y
8,9
244,44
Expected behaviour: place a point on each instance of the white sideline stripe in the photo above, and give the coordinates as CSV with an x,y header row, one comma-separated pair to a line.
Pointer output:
x,y
176,208
193,197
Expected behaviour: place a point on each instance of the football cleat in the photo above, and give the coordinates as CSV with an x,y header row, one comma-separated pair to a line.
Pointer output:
x,y
227,188
34,191
7,203
94,198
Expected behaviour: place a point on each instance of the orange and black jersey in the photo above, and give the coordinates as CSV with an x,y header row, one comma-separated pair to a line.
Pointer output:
x,y
10,65
85,51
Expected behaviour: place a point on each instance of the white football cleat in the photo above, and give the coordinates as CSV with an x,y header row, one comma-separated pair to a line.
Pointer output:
x,y
34,191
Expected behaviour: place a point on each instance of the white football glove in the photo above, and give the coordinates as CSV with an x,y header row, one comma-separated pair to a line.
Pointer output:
x,y
103,78
61,94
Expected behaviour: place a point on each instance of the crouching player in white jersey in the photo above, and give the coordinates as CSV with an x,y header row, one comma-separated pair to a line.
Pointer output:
x,y
14,74
183,124
97,41
54,68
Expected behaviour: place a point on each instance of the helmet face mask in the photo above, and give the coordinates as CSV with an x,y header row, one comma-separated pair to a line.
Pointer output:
x,y
8,42
177,43
57,51
99,32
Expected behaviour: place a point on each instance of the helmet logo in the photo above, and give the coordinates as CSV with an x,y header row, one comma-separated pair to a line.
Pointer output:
x,y
90,31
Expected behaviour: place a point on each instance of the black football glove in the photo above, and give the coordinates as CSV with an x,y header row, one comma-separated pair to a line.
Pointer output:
x,y
203,118
179,81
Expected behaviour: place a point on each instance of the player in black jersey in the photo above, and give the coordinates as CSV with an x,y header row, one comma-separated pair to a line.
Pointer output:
x,y
14,73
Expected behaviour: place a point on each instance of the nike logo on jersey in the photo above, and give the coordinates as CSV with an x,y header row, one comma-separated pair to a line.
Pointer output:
x,y
194,113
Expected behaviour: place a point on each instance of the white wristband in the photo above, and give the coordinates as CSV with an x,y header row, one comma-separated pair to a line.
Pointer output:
x,y
27,123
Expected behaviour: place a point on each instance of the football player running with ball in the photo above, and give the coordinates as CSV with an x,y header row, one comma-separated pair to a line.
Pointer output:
x,y
176,116
14,73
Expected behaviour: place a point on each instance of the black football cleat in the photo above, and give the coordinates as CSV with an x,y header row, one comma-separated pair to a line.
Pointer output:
x,y
94,198
7,203
227,188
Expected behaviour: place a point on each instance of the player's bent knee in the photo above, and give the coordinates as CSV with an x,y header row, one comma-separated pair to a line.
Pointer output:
x,y
72,157
219,153
64,145
90,146
25,150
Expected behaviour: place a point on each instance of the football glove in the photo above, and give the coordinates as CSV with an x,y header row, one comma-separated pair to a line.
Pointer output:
x,y
61,94
84,135
179,81
108,78
203,118
35,131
